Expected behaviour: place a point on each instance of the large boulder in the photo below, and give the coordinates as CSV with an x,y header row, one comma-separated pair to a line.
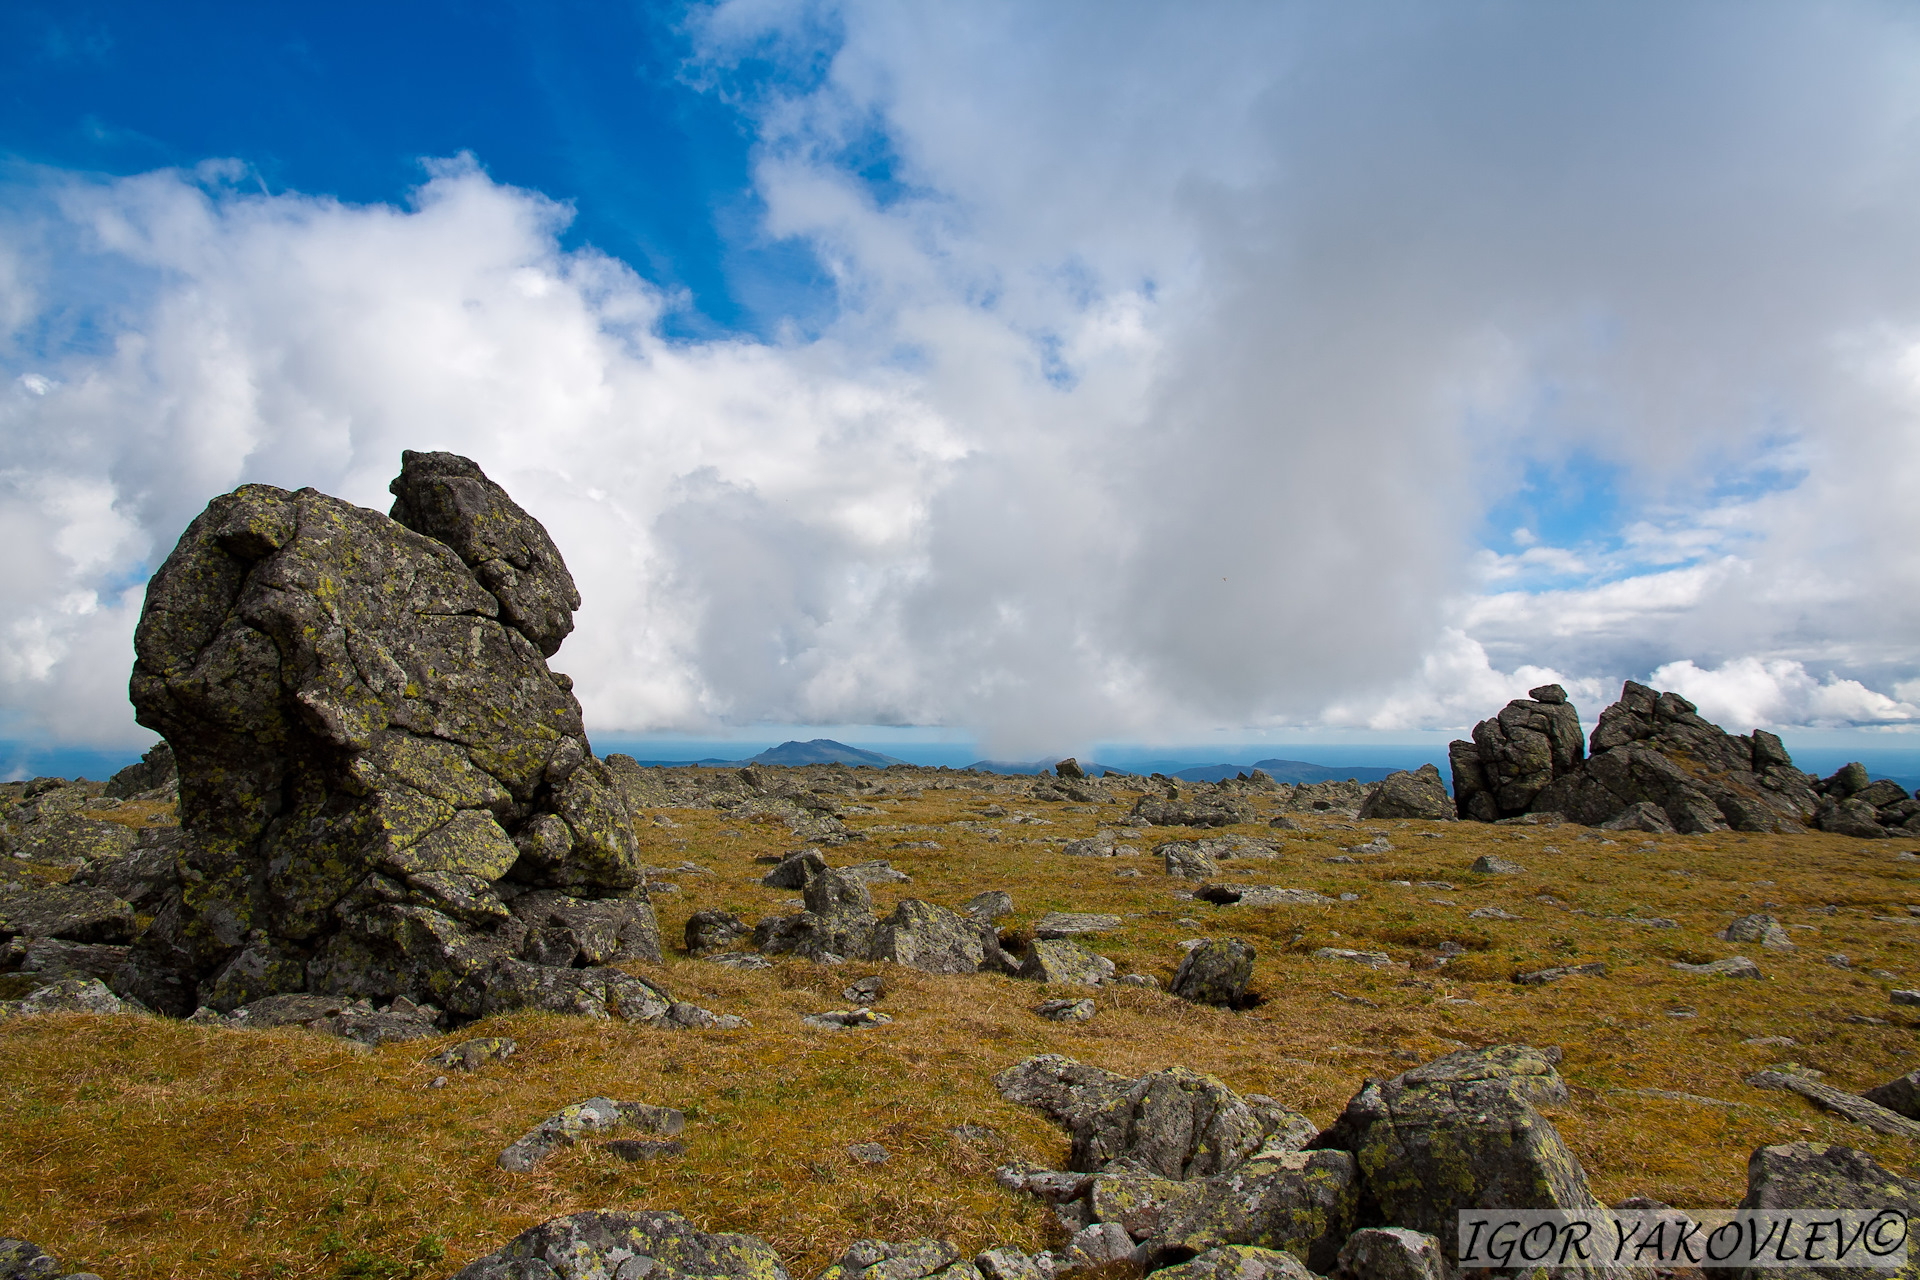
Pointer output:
x,y
933,939
604,1243
375,761
1462,1132
1300,1202
1416,794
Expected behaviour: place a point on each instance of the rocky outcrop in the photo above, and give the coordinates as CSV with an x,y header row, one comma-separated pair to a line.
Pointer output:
x,y
1652,763
153,772
384,790
1417,794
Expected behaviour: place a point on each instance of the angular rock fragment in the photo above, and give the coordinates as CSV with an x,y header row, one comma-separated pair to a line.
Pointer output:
x,y
1067,924
1798,1175
596,1115
1056,960
1239,1262
471,1055
1391,1253
1731,967
1065,1010
1763,929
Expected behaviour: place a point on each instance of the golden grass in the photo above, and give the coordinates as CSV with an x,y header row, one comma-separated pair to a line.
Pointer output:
x,y
141,1147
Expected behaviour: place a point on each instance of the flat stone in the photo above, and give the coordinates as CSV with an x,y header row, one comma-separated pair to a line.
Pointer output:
x,y
1731,967
845,1020
1065,1010
1065,924
1371,959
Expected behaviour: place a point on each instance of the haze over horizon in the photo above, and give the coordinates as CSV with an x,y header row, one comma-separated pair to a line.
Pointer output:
x,y
1030,376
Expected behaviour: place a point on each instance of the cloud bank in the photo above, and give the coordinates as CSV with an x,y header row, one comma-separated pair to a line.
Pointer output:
x,y
1186,371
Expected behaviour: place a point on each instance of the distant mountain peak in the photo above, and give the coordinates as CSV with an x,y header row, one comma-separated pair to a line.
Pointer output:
x,y
822,751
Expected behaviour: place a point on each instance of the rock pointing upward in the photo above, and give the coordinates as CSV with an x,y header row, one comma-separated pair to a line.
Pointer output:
x,y
384,790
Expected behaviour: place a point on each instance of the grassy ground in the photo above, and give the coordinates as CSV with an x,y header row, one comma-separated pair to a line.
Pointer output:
x,y
141,1147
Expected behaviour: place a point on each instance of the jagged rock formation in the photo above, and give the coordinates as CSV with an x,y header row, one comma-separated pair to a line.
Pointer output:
x,y
384,790
839,923
1654,764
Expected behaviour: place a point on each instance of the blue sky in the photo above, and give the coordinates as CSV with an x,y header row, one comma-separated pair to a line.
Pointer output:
x,y
1033,377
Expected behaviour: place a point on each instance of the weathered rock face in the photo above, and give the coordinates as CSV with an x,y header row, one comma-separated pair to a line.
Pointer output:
x,y
383,788
1461,1132
1416,794
1512,757
1653,763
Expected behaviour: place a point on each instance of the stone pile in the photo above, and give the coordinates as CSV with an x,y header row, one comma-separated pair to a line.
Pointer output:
x,y
1654,764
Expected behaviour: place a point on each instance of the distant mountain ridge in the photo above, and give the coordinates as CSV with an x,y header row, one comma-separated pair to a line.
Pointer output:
x,y
818,751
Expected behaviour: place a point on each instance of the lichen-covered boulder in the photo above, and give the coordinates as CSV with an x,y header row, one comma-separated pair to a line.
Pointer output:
x,y
1462,1132
1300,1202
933,939
1215,972
1804,1175
1416,794
374,758
1060,961
1238,1262
611,1245
918,1259
1514,755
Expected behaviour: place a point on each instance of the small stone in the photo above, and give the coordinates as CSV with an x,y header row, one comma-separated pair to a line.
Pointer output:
x,y
1487,864
866,990
1371,959
1140,980
470,1055
845,1020
1783,1042
438,1082
1763,929
1839,960
991,905
1065,1010
1065,924
868,1152
1731,967
1490,913
1904,997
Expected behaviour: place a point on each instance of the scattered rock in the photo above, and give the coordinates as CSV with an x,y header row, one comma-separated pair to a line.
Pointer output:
x,y
1419,794
1260,895
1490,913
1860,1110
1642,815
907,1260
1540,977
994,904
868,1152
713,930
1215,972
596,1115
1238,1262
796,871
1731,967
471,1055
606,1243
1184,861
1056,960
68,995
154,770
20,1260
1067,924
1903,997
1209,812
868,990
1371,959
1762,929
1488,864
845,1020
1065,1010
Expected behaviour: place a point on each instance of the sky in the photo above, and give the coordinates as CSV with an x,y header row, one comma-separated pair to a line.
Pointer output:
x,y
1033,376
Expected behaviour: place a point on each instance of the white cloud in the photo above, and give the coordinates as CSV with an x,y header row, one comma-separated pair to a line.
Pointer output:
x,y
1175,368
1751,693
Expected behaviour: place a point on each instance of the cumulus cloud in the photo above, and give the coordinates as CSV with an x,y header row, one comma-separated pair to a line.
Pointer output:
x,y
1178,358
